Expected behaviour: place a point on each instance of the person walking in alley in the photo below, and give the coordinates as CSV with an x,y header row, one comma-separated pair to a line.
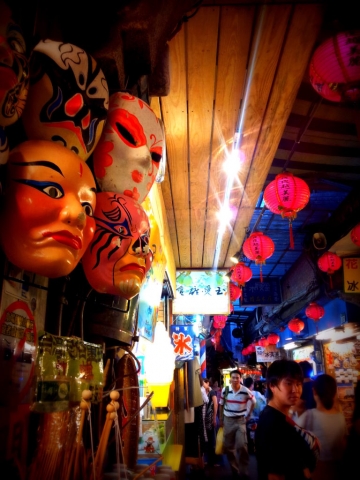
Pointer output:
x,y
284,451
236,406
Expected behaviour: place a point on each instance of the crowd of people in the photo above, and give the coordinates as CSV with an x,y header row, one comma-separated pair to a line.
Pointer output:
x,y
296,428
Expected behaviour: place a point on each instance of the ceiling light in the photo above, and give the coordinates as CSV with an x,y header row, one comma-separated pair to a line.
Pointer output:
x,y
290,345
233,161
236,257
335,334
227,276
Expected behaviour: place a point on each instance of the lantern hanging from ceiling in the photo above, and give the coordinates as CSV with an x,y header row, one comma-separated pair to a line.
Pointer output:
x,y
273,338
355,235
263,342
285,196
251,348
219,321
258,247
244,351
235,292
314,311
241,274
329,262
296,325
335,68
231,307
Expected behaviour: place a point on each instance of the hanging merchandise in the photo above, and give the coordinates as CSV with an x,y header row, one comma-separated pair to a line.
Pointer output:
x,y
285,196
296,325
355,235
258,247
329,262
335,69
314,311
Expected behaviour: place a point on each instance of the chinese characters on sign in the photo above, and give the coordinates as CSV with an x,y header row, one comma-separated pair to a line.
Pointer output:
x,y
182,339
266,292
267,354
351,275
203,292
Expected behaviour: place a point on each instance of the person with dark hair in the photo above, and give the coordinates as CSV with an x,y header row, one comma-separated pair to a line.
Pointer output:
x,y
236,405
329,426
283,450
353,442
210,422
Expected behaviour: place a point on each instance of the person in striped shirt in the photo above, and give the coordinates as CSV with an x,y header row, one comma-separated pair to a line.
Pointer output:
x,y
236,406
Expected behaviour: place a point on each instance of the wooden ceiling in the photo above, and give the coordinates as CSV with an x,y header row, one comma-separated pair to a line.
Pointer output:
x,y
243,67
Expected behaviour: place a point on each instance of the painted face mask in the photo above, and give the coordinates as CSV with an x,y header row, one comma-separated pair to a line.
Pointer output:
x,y
14,71
68,97
127,157
119,257
47,208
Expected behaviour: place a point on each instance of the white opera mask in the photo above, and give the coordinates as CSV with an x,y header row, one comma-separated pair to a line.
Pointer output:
x,y
127,157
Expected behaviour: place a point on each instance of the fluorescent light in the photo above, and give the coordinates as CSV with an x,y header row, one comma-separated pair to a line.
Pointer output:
x,y
289,338
290,345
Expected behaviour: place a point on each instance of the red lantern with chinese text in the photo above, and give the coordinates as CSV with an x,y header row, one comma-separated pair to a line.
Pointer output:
x,y
314,311
241,274
258,247
235,292
285,196
335,69
263,342
328,263
273,338
296,325
355,235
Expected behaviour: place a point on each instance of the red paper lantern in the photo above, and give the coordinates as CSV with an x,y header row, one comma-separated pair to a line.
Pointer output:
x,y
314,311
241,274
251,348
219,321
328,263
231,307
335,68
273,338
245,351
285,196
355,235
263,342
258,247
235,292
296,325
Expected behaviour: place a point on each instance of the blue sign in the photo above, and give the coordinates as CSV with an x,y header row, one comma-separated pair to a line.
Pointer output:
x,y
267,292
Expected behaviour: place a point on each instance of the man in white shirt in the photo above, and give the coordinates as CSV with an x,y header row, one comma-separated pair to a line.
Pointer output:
x,y
236,406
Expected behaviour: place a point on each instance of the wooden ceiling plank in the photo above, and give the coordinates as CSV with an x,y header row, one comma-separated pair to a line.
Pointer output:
x,y
234,41
328,111
302,35
174,112
202,38
268,38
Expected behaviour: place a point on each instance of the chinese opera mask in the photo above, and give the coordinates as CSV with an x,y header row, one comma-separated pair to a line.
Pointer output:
x,y
127,157
119,257
68,97
47,208
14,71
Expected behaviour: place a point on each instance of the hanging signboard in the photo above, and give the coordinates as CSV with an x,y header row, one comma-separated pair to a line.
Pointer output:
x,y
267,354
267,292
182,338
203,292
351,268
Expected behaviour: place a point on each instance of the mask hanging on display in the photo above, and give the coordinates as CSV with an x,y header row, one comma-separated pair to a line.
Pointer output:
x,y
68,97
119,256
128,155
14,69
46,208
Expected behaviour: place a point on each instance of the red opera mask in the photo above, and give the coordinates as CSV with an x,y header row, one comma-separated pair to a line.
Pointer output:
x,y
68,97
119,257
14,71
46,212
127,157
